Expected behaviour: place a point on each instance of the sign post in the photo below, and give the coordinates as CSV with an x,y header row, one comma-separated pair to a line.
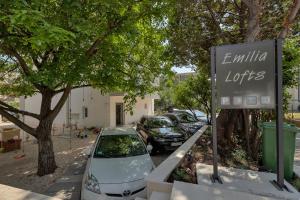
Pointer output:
x,y
248,76
215,176
279,116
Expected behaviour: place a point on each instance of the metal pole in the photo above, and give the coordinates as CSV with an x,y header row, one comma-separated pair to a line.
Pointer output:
x,y
279,114
215,175
70,120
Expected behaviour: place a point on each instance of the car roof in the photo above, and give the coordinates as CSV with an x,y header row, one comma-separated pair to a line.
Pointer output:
x,y
119,131
172,113
155,117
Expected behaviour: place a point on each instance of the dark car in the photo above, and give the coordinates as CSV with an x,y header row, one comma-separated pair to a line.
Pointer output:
x,y
185,121
200,116
161,133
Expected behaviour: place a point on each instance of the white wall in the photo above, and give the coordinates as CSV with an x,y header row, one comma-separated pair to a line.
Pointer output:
x,y
101,109
98,112
143,107
294,103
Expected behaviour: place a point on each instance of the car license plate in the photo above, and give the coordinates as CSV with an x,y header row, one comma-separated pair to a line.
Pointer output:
x,y
175,144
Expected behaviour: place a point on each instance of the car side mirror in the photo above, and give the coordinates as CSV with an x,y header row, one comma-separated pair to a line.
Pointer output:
x,y
149,148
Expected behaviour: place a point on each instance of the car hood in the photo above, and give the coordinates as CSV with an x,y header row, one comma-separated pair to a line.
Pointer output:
x,y
121,170
167,131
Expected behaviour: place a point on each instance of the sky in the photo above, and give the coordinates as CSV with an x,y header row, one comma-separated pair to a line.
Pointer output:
x,y
182,69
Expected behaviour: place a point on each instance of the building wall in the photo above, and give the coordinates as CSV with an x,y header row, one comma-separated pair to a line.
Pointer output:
x,y
142,107
101,109
294,102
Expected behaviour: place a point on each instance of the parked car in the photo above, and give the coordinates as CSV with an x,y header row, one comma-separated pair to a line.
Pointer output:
x,y
117,166
200,116
185,121
161,133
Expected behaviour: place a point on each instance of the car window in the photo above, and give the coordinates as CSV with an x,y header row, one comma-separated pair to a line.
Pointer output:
x,y
186,118
172,117
159,123
116,146
199,113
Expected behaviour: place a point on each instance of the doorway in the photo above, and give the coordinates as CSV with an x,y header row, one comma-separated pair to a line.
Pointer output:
x,y
120,114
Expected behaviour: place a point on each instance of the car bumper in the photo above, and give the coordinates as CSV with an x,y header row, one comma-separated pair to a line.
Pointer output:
x,y
170,145
88,195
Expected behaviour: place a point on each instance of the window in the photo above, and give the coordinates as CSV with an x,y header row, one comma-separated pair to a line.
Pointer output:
x,y
173,118
117,146
186,118
159,123
84,112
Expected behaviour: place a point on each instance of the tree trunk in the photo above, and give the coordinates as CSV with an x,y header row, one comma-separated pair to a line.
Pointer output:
x,y
46,159
247,129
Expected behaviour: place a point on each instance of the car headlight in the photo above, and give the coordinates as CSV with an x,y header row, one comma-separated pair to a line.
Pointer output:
x,y
91,183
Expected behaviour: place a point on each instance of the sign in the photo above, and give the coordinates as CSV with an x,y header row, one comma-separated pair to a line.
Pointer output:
x,y
245,75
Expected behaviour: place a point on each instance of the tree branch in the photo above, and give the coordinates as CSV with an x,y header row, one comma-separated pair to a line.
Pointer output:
x,y
290,18
53,113
213,16
111,27
7,107
15,54
21,61
74,87
18,122
253,29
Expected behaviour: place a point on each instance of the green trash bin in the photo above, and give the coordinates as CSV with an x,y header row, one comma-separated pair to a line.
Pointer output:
x,y
269,147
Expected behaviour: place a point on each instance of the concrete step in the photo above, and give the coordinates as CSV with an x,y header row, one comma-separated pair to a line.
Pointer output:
x,y
247,181
188,191
159,196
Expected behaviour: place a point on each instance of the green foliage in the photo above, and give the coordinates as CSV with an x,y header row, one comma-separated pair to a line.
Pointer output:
x,y
55,39
196,26
165,92
194,93
296,183
291,65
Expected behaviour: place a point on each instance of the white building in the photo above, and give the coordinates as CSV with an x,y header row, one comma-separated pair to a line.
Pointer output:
x,y
87,107
294,103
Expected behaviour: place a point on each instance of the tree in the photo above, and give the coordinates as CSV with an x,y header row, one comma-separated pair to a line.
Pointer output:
x,y
198,25
52,47
194,93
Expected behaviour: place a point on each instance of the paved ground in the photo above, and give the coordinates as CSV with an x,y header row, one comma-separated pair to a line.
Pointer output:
x,y
69,186
19,171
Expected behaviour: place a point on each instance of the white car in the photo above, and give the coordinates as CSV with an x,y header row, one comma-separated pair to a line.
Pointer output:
x,y
117,166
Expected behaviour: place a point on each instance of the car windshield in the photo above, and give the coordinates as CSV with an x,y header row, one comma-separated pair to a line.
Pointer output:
x,y
117,146
186,117
199,113
159,123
